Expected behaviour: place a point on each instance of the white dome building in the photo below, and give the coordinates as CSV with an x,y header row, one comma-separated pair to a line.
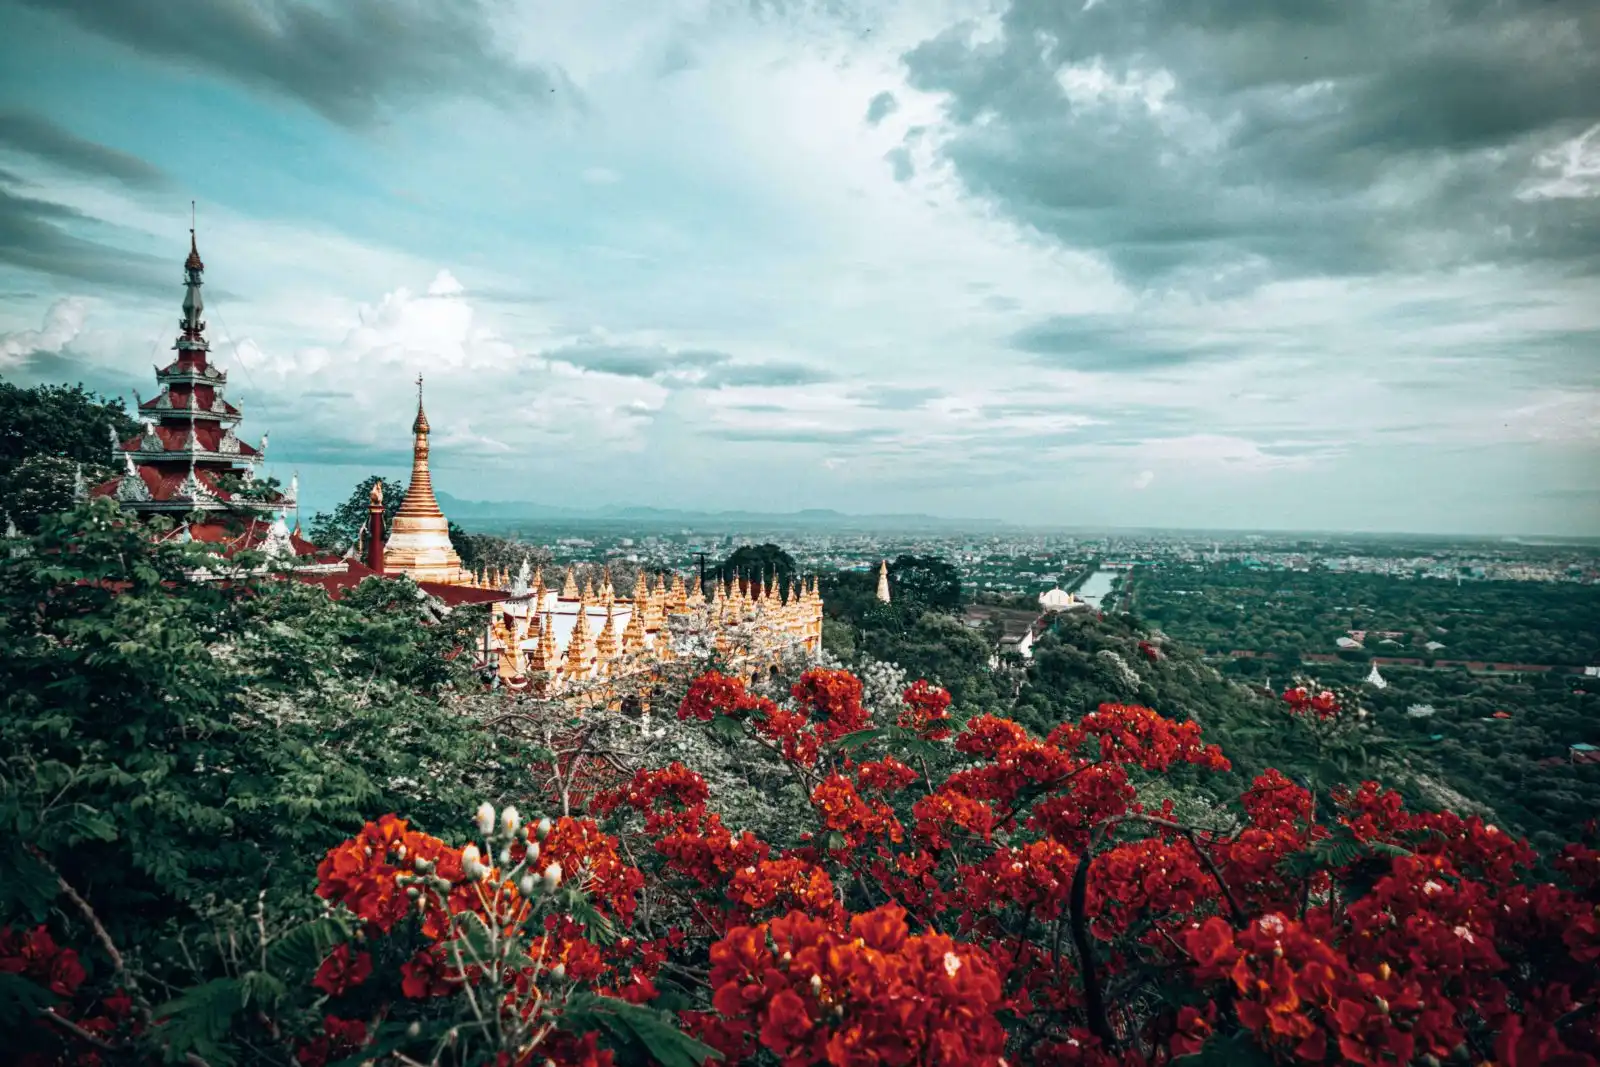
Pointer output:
x,y
1058,599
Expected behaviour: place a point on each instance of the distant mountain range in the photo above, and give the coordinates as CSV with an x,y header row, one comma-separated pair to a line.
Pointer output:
x,y
500,513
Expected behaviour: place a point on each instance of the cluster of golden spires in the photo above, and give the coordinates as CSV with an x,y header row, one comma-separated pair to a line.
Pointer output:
x,y
554,641
610,638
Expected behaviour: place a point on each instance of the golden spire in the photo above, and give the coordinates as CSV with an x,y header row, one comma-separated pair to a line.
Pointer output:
x,y
883,581
578,643
588,589
605,645
696,595
633,634
569,585
537,663
419,537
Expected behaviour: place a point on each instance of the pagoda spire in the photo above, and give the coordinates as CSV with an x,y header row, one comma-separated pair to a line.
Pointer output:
x,y
192,339
419,535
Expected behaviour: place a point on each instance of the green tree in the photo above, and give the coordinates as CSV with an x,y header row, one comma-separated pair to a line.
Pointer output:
x,y
46,432
757,562
338,530
174,750
928,582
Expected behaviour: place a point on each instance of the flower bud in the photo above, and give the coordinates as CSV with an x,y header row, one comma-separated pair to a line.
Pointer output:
x,y
413,892
559,971
816,983
552,877
470,862
505,857
414,1029
485,818
544,828
510,821
533,851
527,885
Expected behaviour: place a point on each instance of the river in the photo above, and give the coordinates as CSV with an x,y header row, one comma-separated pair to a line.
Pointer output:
x,y
1096,587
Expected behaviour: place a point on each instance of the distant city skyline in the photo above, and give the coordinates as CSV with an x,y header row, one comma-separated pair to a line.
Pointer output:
x,y
1122,265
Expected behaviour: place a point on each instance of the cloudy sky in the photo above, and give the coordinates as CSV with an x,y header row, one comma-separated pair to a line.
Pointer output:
x,y
1243,263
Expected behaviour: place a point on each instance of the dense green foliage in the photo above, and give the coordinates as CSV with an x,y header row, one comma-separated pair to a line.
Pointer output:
x,y
46,433
336,531
756,562
1226,607
177,749
1517,770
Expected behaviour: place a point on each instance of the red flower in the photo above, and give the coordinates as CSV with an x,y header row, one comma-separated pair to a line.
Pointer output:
x,y
340,973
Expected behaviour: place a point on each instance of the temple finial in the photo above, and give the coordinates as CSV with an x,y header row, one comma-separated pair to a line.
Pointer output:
x,y
421,424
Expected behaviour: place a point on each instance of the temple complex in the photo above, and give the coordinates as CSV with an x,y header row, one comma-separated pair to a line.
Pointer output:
x,y
565,639
189,461
587,644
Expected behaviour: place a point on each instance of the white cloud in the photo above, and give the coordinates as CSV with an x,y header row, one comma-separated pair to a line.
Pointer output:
x,y
1143,480
62,324
1570,170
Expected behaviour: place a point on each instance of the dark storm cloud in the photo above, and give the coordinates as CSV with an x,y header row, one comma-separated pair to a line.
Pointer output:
x,y
26,131
1304,139
1108,344
346,60
34,235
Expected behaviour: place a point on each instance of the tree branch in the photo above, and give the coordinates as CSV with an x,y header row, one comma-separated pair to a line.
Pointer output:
x,y
100,933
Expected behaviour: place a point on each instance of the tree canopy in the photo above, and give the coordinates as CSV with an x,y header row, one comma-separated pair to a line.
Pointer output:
x,y
46,433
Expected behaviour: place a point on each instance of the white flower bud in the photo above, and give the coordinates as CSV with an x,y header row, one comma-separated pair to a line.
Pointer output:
x,y
485,818
505,857
552,877
544,828
559,971
510,821
533,851
816,983
470,862
414,1029
527,885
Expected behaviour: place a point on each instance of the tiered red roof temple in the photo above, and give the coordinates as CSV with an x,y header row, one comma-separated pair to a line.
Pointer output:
x,y
189,449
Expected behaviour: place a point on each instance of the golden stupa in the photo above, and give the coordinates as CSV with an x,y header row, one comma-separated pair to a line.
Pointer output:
x,y
419,538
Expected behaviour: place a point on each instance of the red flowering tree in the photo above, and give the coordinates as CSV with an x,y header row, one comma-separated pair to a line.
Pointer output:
x,y
963,892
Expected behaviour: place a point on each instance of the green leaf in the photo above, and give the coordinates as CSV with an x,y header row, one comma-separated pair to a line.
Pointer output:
x,y
850,742
726,728
198,1020
25,886
307,945
1229,1050
21,1000
629,1024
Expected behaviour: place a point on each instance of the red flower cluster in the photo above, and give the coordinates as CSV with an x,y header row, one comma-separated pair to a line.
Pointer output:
x,y
339,1039
927,711
1129,733
874,994
341,972
36,955
887,775
832,699
674,784
1302,701
854,819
